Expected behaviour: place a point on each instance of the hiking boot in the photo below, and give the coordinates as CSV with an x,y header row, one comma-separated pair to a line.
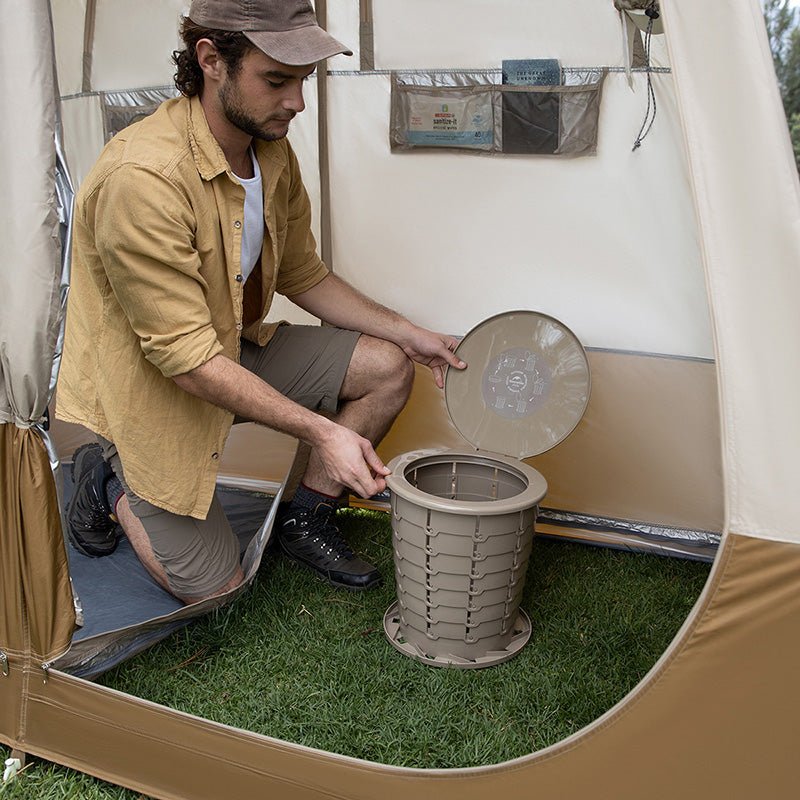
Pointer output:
x,y
90,527
310,538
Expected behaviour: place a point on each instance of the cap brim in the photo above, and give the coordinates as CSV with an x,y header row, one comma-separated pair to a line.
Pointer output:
x,y
297,47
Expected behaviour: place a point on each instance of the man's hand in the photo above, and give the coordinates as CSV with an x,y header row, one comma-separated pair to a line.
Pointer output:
x,y
434,350
350,459
347,458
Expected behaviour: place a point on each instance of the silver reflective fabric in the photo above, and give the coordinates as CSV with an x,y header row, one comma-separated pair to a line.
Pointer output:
x,y
121,109
630,535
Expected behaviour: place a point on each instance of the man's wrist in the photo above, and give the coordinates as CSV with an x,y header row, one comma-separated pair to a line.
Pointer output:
x,y
404,332
319,431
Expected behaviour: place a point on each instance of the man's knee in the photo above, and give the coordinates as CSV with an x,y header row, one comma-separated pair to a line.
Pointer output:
x,y
397,376
192,559
236,580
400,366
382,366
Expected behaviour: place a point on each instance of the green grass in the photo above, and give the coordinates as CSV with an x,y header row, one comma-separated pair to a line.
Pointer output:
x,y
43,781
303,662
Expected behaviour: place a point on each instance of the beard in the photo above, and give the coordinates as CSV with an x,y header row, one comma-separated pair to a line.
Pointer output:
x,y
231,102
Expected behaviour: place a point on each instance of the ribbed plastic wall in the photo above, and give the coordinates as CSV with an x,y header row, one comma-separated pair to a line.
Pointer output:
x,y
460,575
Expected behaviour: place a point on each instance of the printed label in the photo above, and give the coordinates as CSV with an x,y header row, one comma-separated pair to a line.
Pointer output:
x,y
515,383
451,122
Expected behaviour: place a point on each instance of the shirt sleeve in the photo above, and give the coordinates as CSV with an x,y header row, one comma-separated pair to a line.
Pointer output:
x,y
300,267
144,229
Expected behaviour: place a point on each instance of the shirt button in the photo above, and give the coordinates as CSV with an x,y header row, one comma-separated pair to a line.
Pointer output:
x,y
239,279
215,456
237,224
238,326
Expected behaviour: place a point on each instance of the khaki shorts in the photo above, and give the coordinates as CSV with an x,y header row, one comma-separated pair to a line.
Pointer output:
x,y
307,364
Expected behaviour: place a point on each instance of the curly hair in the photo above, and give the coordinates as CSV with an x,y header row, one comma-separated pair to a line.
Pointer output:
x,y
231,45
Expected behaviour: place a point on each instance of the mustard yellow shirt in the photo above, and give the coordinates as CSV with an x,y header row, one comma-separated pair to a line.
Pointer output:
x,y
156,290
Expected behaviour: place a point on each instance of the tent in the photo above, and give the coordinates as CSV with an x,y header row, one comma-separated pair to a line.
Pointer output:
x,y
674,263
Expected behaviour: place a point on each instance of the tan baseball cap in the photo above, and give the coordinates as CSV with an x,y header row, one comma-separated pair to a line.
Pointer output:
x,y
285,30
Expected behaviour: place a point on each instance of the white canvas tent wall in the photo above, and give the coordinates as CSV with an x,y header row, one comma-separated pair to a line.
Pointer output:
x,y
711,197
614,251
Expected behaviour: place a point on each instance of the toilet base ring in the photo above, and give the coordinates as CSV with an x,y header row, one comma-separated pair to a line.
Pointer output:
x,y
391,627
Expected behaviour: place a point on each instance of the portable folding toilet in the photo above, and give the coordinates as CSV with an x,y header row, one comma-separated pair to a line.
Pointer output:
x,y
675,264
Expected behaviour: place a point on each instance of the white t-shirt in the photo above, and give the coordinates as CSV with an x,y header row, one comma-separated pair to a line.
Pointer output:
x,y
253,228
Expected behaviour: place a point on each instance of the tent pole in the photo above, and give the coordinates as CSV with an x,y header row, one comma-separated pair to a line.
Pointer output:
x,y
88,44
326,243
366,44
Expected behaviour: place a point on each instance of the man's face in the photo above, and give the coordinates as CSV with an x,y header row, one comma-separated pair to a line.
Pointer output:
x,y
263,95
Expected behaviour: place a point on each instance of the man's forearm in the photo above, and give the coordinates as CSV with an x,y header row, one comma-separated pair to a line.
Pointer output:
x,y
229,385
338,303
347,458
335,301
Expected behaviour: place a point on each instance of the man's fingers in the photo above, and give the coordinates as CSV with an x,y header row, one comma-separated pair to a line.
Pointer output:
x,y
448,357
367,477
364,489
451,358
371,457
369,486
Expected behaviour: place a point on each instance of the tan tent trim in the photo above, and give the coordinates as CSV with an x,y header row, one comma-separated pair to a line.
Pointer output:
x,y
37,618
36,610
366,44
647,448
678,734
326,241
12,691
88,44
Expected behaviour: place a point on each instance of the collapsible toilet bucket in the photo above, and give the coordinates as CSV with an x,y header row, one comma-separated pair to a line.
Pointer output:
x,y
463,520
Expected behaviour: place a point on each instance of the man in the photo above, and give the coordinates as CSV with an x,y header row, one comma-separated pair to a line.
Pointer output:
x,y
187,225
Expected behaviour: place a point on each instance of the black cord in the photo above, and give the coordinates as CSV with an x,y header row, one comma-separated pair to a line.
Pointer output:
x,y
647,123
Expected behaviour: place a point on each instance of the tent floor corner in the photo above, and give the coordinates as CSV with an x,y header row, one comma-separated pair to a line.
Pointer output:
x,y
720,705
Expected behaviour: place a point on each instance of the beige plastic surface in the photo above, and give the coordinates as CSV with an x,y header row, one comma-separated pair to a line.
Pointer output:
x,y
463,522
462,530
417,476
520,635
526,387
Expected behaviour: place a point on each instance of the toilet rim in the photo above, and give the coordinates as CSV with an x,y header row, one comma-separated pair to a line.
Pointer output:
x,y
528,497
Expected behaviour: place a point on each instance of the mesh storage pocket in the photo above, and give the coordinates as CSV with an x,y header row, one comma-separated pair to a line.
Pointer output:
x,y
454,117
555,120
121,109
477,115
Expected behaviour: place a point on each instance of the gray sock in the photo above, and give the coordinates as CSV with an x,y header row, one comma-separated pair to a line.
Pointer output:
x,y
306,499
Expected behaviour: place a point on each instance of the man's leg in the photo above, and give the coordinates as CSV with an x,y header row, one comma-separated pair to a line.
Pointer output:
x,y
361,382
142,546
189,558
375,390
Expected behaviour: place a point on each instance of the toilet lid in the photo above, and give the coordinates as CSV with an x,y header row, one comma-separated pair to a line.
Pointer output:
x,y
526,387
